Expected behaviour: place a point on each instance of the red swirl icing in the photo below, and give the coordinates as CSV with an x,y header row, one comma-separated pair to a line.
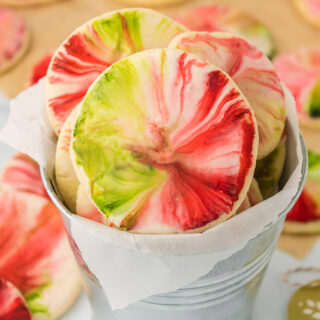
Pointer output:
x,y
253,73
12,305
193,196
39,70
305,209
300,71
31,230
79,58
200,135
205,18
22,174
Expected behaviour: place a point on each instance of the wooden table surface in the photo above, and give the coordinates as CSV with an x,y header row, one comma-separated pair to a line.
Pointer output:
x,y
50,24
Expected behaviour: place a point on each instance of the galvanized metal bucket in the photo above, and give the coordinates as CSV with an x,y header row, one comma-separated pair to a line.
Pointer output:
x,y
227,292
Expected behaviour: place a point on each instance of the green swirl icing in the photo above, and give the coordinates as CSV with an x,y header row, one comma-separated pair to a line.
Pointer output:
x,y
121,31
33,299
314,166
128,31
313,106
112,120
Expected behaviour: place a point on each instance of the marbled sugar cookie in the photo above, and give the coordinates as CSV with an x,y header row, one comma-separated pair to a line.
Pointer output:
x,y
14,38
227,19
21,173
12,304
165,143
36,256
252,71
95,46
35,252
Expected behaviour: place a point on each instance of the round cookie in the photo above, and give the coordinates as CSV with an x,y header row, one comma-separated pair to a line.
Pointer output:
x,y
21,173
300,71
252,71
175,153
96,45
36,256
66,178
14,37
310,9
12,304
228,19
305,215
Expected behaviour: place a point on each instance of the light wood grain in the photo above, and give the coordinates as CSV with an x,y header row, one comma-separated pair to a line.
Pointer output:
x,y
50,24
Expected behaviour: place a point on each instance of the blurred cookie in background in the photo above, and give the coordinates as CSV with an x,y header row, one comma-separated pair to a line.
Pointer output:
x,y
300,71
228,19
34,251
310,10
15,38
304,218
21,173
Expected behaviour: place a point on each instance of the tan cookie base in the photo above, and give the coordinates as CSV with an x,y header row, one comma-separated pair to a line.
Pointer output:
x,y
66,178
312,227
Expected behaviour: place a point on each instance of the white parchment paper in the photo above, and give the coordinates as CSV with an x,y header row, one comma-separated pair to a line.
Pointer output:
x,y
130,266
28,129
